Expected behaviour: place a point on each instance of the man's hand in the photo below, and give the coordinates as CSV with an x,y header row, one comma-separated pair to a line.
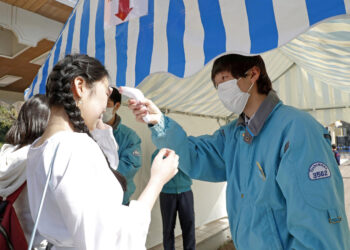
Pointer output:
x,y
140,109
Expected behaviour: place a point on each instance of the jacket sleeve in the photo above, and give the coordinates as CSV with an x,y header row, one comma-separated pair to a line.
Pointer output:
x,y
200,157
312,186
130,157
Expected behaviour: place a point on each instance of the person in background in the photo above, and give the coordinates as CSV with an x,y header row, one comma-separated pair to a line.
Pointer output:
x,y
30,125
177,197
129,143
284,188
336,153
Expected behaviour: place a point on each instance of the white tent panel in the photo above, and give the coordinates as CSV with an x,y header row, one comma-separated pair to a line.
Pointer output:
x,y
324,51
196,94
276,63
326,117
311,72
300,89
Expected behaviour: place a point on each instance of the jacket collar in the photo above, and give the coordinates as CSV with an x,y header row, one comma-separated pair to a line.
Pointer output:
x,y
116,122
257,122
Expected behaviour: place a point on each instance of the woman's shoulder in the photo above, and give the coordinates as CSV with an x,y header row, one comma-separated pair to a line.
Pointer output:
x,y
66,144
62,151
67,139
75,139
7,149
11,153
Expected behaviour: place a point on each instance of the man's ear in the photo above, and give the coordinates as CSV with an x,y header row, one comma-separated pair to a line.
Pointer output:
x,y
116,106
78,87
255,73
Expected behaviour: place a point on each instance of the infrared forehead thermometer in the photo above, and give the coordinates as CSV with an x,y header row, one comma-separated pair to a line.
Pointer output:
x,y
136,94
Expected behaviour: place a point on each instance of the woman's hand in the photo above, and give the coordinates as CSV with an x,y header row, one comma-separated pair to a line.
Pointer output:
x,y
101,125
164,166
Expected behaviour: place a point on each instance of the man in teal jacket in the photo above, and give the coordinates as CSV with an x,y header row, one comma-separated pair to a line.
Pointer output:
x,y
128,141
284,188
177,196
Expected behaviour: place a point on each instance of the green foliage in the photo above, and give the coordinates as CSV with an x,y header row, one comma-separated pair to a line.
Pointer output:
x,y
7,118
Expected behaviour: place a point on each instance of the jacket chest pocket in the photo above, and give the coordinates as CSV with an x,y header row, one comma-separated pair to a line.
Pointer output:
x,y
258,180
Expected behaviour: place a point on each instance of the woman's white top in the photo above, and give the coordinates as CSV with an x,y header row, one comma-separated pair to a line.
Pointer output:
x,y
12,175
83,205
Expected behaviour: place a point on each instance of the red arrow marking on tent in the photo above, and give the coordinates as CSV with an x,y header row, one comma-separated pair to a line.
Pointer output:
x,y
123,9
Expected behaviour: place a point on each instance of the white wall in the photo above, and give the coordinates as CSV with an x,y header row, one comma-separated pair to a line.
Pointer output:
x,y
209,198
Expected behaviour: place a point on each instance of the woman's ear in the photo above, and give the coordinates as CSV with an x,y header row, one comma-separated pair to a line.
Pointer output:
x,y
78,87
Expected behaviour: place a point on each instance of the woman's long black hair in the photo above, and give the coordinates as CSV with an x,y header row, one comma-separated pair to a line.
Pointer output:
x,y
31,122
59,90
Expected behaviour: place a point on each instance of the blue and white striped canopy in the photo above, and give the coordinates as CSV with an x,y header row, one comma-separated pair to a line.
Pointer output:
x,y
312,72
181,36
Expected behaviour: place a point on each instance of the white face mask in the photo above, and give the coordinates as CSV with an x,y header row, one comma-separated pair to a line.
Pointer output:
x,y
108,115
233,98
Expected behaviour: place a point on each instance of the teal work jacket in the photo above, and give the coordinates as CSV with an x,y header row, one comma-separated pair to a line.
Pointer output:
x,y
284,188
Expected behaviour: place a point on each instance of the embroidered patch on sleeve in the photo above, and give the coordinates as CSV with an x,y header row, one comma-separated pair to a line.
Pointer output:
x,y
319,170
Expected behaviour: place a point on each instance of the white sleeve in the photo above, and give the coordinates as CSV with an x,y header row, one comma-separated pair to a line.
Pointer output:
x,y
108,144
90,200
134,232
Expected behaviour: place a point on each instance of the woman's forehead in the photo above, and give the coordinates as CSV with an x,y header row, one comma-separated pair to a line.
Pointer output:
x,y
105,82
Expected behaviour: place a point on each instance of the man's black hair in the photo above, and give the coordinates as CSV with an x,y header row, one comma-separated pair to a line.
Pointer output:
x,y
238,65
115,96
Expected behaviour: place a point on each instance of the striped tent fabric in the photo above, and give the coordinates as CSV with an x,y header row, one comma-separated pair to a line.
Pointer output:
x,y
324,52
196,94
296,84
323,101
319,80
180,37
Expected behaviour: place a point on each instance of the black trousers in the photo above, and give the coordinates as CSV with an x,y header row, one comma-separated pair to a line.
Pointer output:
x,y
170,204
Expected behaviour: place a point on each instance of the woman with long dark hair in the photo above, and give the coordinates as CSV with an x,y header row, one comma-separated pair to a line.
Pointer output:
x,y
30,124
83,206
